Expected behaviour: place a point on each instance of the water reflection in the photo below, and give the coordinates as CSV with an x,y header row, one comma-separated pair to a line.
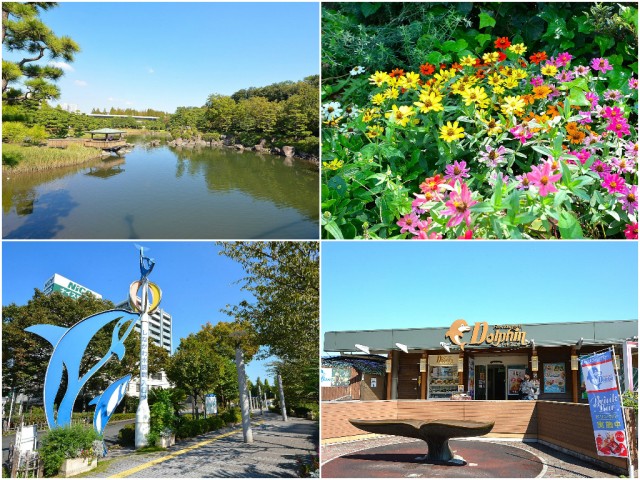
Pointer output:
x,y
160,192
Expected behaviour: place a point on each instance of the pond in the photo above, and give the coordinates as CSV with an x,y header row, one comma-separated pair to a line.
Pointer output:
x,y
166,193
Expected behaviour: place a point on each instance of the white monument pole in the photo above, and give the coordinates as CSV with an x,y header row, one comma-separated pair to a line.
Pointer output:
x,y
283,407
244,400
142,413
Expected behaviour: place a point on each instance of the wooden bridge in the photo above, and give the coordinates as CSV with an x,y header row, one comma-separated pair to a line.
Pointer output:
x,y
111,141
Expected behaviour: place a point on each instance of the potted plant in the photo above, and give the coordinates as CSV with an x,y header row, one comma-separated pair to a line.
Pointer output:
x,y
70,450
163,418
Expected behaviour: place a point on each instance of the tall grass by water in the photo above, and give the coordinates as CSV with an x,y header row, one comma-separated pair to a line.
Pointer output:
x,y
34,159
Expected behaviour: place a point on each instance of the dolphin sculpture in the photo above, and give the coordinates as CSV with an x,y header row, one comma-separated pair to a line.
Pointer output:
x,y
70,345
107,402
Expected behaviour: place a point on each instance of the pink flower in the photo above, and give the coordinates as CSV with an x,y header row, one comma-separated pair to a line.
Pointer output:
x,y
583,155
537,81
423,231
521,132
600,168
611,113
629,199
493,156
457,171
523,182
631,150
613,182
601,65
586,118
563,59
409,223
631,232
581,70
458,206
593,98
619,126
541,177
467,235
565,76
633,83
625,165
612,95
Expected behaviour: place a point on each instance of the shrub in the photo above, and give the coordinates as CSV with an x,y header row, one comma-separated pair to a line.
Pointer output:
x,y
68,442
14,132
127,435
233,415
11,159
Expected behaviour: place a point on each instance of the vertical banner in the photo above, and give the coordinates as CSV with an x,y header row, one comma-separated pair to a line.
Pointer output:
x,y
607,417
471,387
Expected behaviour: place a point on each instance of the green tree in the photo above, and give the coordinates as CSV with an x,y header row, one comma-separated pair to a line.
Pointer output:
x,y
23,31
25,355
220,111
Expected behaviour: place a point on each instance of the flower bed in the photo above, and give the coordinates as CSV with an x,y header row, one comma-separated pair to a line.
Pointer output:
x,y
507,144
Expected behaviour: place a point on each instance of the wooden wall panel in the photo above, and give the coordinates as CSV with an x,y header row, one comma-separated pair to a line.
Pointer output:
x,y
353,390
408,374
335,416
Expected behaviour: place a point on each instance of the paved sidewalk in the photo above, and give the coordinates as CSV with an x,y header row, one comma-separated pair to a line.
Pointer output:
x,y
276,447
555,464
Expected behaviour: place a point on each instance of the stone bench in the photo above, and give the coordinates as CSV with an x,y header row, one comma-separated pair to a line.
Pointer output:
x,y
435,432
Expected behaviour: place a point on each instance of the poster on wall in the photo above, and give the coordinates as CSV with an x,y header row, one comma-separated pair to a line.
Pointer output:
x,y
605,406
471,387
341,377
554,378
515,375
325,377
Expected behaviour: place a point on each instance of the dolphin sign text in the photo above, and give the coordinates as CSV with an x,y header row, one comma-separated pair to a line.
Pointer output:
x,y
70,345
502,335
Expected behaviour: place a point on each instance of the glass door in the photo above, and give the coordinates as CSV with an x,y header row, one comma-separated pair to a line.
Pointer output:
x,y
481,382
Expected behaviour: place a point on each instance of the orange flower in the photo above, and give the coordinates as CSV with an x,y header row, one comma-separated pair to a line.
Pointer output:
x,y
502,43
398,72
528,99
552,111
443,66
541,92
523,64
457,66
538,57
575,136
427,69
572,127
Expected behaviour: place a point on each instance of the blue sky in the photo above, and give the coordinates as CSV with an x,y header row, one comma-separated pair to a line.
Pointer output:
x,y
165,55
195,281
382,285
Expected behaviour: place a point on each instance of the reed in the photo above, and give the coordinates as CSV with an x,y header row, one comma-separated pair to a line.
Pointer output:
x,y
35,159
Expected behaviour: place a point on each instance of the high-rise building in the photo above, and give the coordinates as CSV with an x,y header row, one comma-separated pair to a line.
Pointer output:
x,y
58,283
160,327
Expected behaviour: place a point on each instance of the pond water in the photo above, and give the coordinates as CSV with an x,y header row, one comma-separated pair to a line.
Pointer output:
x,y
166,193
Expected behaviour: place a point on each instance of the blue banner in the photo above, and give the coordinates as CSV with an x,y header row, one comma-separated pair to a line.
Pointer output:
x,y
604,402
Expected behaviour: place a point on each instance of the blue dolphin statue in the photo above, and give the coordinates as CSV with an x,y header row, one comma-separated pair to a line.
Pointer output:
x,y
70,345
107,402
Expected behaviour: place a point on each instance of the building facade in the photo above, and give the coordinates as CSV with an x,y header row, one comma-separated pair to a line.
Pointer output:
x,y
58,283
487,362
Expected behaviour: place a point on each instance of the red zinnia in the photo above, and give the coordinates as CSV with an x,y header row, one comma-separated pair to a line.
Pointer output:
x,y
478,63
503,42
397,72
457,66
427,69
501,56
443,66
538,57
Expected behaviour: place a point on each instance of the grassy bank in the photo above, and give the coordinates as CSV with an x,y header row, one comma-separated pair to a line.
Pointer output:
x,y
34,159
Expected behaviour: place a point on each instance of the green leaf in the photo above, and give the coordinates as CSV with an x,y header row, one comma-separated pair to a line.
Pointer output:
x,y
482,38
604,43
569,226
338,184
482,207
435,58
542,150
368,151
334,230
369,9
454,46
576,97
486,20
390,152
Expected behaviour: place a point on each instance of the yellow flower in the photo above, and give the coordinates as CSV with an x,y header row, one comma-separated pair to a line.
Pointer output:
x,y
493,126
401,115
494,79
391,92
369,114
451,132
518,48
334,164
374,131
379,78
378,98
410,80
468,61
513,105
429,102
475,95
458,87
491,57
498,90
333,122
511,82
549,70
519,73
444,75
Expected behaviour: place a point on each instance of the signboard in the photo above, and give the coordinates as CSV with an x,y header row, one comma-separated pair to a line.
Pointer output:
x,y
500,336
58,283
554,378
325,377
341,377
445,360
211,404
515,376
374,382
604,402
471,387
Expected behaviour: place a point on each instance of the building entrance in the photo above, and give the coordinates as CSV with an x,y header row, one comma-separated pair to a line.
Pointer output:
x,y
496,382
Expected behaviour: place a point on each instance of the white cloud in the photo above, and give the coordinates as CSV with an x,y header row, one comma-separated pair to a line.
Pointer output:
x,y
128,102
80,83
62,65
151,70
